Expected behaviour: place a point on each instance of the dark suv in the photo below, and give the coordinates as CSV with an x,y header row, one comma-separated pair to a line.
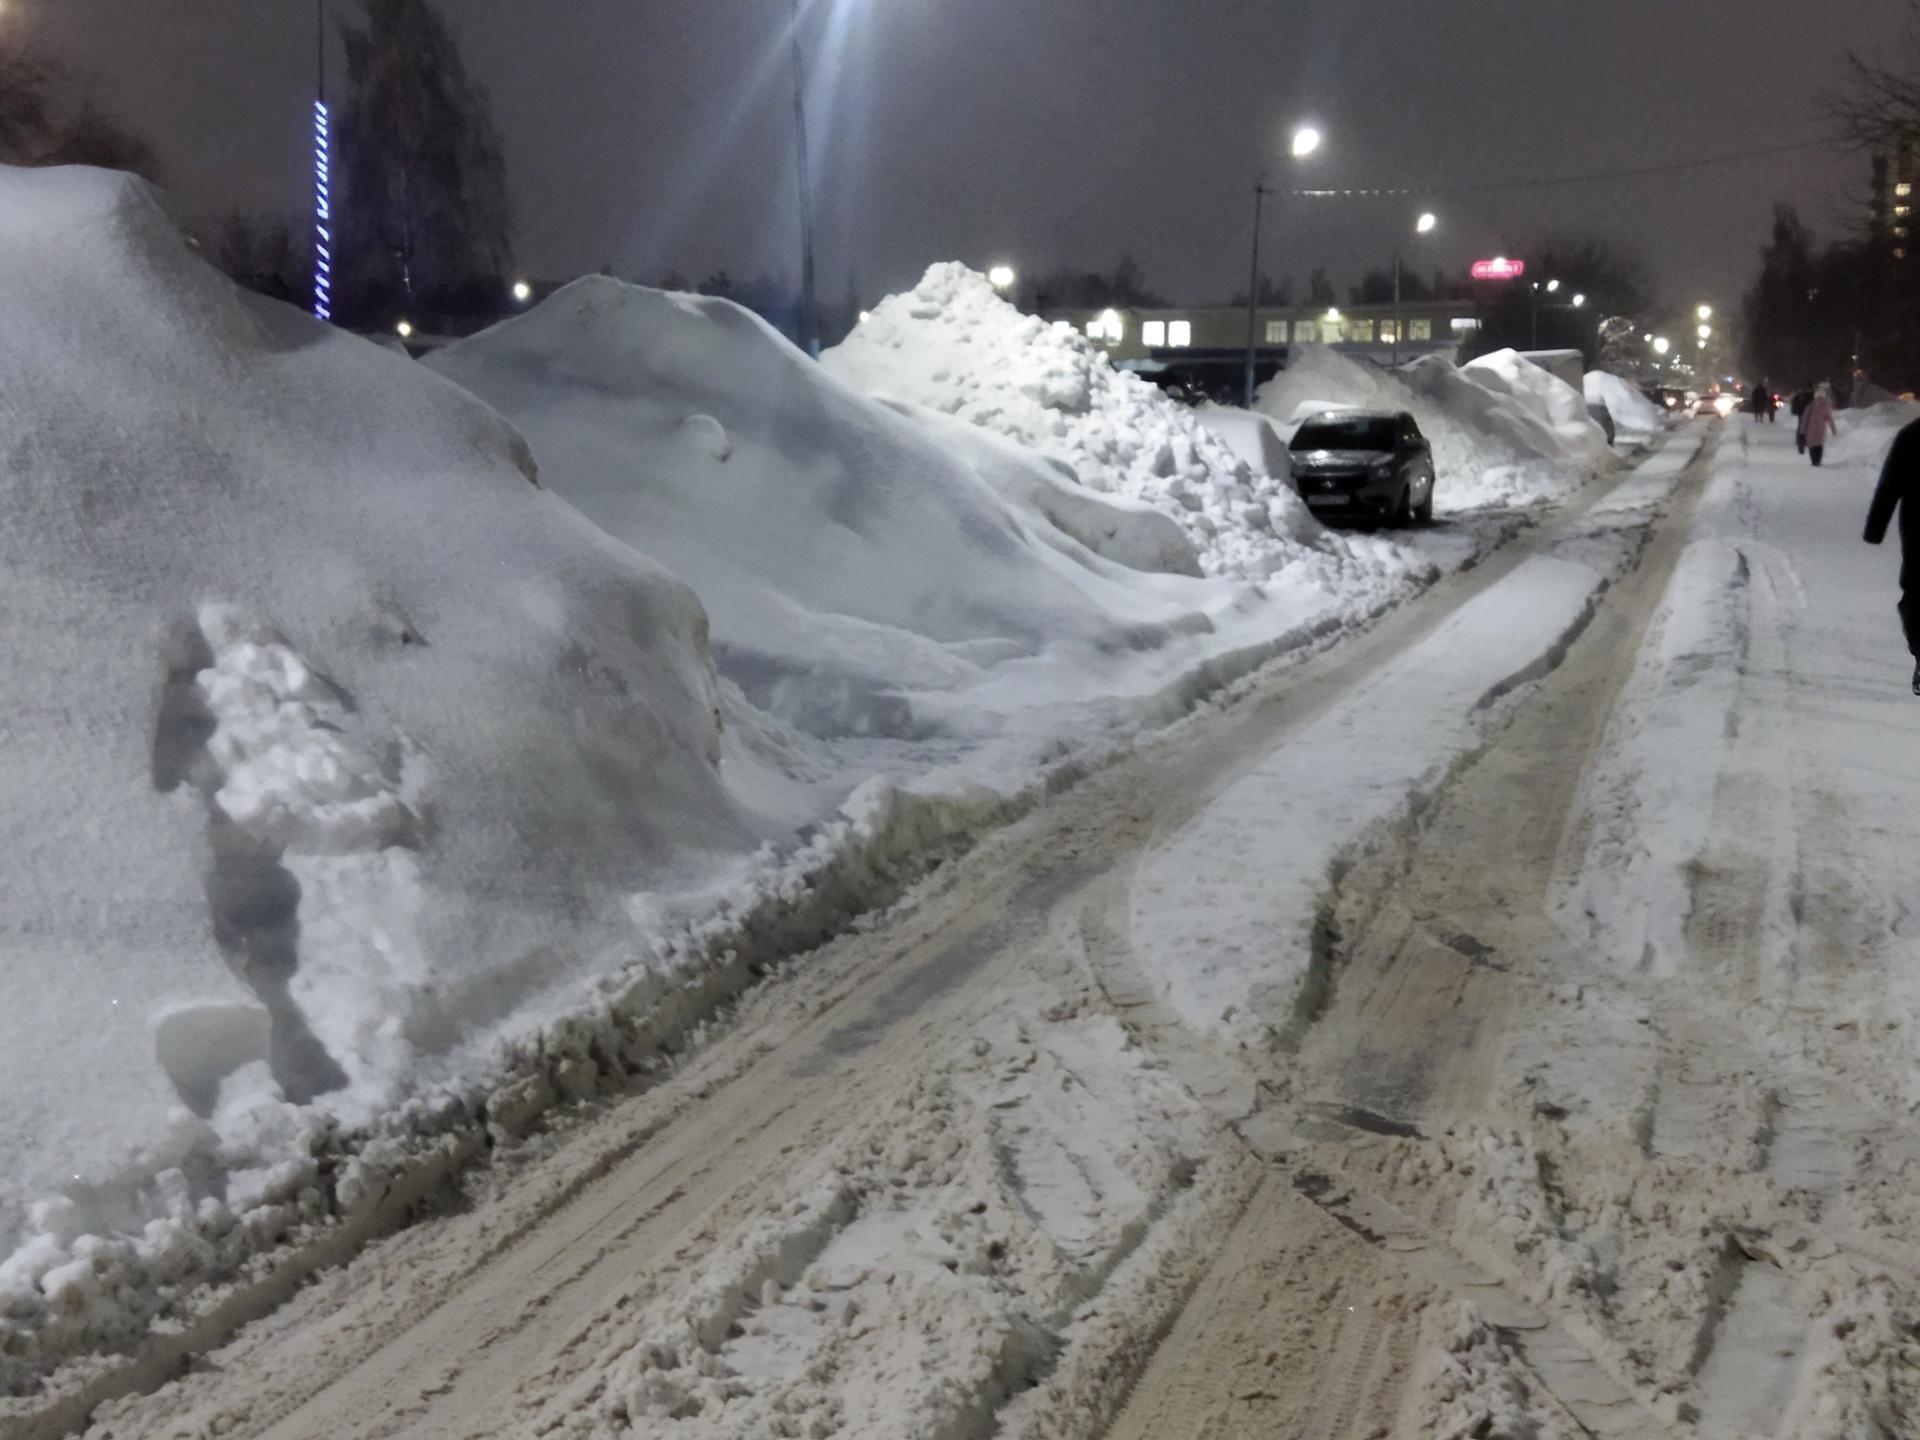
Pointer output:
x,y
1369,463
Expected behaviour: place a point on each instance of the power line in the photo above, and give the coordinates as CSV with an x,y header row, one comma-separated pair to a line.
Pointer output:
x,y
1594,177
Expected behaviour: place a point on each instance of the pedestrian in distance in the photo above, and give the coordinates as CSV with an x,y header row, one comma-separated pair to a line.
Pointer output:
x,y
1818,424
1802,398
1899,489
1757,402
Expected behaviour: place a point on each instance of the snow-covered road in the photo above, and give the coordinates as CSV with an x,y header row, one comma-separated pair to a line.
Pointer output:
x,y
1597,1122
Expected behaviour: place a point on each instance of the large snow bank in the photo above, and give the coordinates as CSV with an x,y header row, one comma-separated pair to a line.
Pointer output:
x,y
855,569
331,741
1491,445
1635,417
1542,398
953,345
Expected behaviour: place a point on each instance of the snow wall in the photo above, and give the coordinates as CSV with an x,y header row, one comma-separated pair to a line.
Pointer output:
x,y
332,742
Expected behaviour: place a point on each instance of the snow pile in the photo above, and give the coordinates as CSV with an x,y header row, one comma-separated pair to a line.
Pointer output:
x,y
1545,398
1865,436
873,570
856,570
332,743
1635,417
954,346
1488,448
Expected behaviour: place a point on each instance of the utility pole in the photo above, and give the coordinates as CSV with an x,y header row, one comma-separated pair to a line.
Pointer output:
x,y
809,304
1260,193
1397,322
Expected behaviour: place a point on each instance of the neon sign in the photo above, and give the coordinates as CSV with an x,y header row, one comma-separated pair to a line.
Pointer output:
x,y
1501,269
322,213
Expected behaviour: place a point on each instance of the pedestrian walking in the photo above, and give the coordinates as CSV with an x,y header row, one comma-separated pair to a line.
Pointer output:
x,y
1899,488
1802,398
1757,402
1818,424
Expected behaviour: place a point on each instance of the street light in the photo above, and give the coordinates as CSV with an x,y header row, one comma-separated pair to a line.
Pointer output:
x,y
405,329
809,307
1706,312
1425,225
522,291
1662,345
1306,141
1001,277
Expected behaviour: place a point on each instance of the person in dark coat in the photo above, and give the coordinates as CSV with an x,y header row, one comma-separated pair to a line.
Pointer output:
x,y
1900,489
1801,400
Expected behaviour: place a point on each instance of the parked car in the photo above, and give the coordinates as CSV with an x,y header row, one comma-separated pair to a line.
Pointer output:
x,y
1371,464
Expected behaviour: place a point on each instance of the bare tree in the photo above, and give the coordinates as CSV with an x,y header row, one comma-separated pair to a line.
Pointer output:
x,y
425,217
1879,108
42,123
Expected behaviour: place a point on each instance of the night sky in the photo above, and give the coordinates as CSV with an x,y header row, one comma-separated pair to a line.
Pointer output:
x,y
654,135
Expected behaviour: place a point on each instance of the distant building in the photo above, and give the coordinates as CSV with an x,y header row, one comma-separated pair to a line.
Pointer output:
x,y
1892,204
1206,348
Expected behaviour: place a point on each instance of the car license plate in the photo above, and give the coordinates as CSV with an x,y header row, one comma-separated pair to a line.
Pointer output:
x,y
1330,498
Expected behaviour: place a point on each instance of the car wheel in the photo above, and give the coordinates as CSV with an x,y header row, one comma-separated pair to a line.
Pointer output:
x,y
1402,515
1423,512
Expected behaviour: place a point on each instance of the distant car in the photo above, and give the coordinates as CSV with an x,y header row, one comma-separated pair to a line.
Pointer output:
x,y
1372,464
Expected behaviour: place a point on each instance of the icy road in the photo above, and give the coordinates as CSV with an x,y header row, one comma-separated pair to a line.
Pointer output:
x,y
1502,1024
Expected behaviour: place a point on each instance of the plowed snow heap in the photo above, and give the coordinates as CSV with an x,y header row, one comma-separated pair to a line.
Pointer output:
x,y
954,346
331,742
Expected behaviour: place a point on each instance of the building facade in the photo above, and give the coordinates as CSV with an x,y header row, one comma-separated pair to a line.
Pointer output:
x,y
1171,335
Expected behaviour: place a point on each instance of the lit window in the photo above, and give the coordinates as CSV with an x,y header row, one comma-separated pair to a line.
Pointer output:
x,y
1153,334
1420,330
1361,330
1305,331
1333,330
1386,332
1180,334
1903,189
1096,328
1903,210
1465,327
1276,332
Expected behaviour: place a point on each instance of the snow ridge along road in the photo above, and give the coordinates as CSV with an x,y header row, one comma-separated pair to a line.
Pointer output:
x,y
960,1170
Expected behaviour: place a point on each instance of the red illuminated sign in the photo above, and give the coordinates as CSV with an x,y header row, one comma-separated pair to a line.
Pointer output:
x,y
1502,269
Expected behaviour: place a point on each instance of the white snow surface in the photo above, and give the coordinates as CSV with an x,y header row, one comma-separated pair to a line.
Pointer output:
x,y
1499,432
332,743
1223,913
1635,417
953,345
1764,707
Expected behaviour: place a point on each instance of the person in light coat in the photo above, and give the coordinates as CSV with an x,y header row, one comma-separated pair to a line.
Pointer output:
x,y
1818,426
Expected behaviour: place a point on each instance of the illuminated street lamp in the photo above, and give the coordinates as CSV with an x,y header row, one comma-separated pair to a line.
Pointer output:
x,y
1425,225
404,329
1306,141
809,306
1706,312
522,291
1001,277
1662,345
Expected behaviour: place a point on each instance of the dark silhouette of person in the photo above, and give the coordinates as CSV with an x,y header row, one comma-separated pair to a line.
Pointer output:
x,y
1899,488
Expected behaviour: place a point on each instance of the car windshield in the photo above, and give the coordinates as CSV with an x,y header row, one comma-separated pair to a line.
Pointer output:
x,y
1348,432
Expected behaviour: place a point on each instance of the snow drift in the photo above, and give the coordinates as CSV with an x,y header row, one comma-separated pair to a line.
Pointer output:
x,y
954,346
1634,416
855,569
332,741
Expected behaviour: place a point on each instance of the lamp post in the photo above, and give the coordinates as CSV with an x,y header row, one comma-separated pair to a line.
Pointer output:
x,y
809,308
1425,225
1306,140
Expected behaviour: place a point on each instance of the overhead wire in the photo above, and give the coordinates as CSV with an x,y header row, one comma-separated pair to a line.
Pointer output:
x,y
1594,177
